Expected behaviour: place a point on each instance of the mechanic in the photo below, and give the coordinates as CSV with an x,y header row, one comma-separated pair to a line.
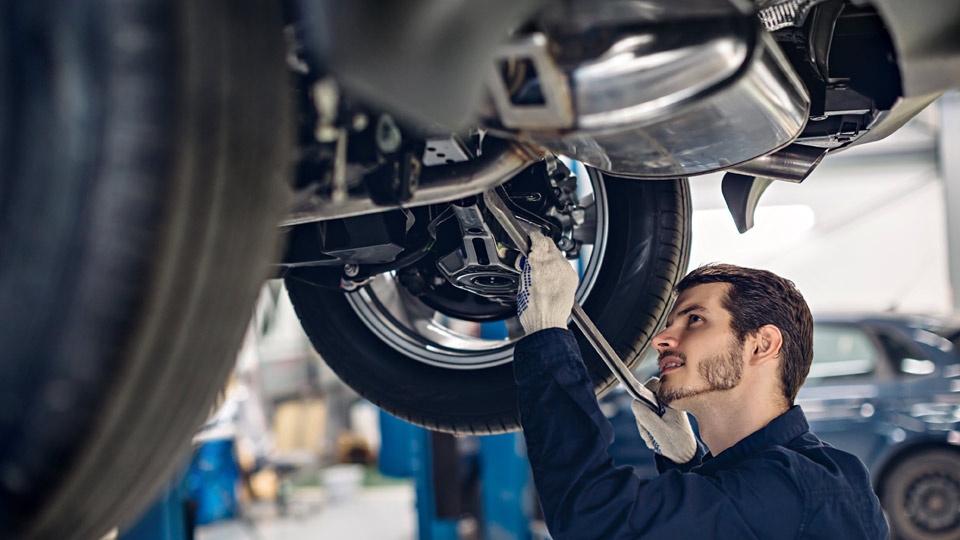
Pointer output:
x,y
736,348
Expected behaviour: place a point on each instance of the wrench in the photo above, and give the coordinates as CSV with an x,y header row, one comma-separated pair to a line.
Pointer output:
x,y
514,230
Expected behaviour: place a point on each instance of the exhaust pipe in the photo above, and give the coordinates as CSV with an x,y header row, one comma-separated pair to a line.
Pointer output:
x,y
791,164
500,161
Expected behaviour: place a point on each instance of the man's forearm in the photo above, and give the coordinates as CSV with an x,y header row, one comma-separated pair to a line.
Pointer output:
x,y
567,439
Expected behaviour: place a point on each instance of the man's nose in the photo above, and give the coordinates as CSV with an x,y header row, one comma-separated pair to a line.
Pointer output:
x,y
666,339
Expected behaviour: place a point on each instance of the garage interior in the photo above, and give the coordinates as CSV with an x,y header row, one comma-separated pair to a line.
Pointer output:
x,y
263,263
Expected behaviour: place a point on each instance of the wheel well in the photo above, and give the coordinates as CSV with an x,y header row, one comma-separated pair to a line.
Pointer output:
x,y
904,452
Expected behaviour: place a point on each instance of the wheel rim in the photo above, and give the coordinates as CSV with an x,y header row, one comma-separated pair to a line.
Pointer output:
x,y
426,335
933,502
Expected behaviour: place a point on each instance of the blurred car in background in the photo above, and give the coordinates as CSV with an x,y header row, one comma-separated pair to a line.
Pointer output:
x,y
887,389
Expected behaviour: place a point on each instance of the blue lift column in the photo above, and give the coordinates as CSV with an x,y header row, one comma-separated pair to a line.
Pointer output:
x,y
406,452
507,493
430,525
438,466
166,519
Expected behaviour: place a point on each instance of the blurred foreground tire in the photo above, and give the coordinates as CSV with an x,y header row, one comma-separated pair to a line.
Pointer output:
x,y
143,149
921,495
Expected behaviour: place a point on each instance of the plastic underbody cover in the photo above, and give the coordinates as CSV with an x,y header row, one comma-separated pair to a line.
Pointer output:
x,y
777,14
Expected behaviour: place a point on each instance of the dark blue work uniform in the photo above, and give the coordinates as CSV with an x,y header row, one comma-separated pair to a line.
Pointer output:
x,y
781,482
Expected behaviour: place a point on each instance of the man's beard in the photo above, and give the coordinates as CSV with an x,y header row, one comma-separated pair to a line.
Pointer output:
x,y
722,372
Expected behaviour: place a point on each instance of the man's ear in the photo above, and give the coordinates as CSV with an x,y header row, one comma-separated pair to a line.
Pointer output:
x,y
767,343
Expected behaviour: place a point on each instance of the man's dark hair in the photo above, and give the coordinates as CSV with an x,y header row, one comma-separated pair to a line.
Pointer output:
x,y
757,298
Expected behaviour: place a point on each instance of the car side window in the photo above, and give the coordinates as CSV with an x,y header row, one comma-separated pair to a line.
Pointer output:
x,y
910,360
841,351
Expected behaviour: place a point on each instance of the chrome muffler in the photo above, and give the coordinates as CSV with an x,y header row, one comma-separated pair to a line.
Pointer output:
x,y
652,89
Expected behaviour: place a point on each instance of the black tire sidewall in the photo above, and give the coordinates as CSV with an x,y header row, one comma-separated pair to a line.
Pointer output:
x,y
648,238
150,155
648,251
67,208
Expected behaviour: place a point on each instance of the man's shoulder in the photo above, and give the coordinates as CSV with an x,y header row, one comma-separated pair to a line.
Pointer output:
x,y
818,466
831,486
837,485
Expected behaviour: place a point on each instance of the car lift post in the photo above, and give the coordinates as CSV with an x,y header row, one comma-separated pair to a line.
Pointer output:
x,y
506,492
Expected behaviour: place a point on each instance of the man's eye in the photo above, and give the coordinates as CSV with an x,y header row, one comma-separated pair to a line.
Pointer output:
x,y
695,318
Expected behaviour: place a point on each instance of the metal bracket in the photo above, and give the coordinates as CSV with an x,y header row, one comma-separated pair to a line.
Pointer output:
x,y
742,193
556,110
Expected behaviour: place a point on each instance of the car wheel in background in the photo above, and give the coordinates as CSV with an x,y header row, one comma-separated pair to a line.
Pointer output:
x,y
921,495
143,149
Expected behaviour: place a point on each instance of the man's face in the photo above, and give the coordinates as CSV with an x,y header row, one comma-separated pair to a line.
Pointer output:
x,y
699,353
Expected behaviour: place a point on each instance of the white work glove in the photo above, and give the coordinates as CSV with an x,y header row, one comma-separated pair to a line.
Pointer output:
x,y
669,435
547,287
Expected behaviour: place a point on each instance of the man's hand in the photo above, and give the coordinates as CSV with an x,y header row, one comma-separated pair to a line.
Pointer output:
x,y
547,287
669,435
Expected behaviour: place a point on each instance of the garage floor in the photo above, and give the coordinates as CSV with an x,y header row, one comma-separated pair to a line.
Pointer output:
x,y
380,513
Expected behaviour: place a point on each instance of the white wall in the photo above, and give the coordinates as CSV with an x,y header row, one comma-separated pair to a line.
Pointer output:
x,y
866,231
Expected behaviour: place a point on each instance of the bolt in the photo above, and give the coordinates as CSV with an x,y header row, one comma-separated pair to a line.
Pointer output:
x,y
351,270
360,122
326,98
387,135
348,285
565,243
326,134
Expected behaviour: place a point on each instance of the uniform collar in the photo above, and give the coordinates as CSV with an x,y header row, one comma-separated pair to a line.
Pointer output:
x,y
779,432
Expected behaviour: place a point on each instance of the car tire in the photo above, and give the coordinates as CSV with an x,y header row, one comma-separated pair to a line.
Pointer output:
x,y
646,254
144,148
921,496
